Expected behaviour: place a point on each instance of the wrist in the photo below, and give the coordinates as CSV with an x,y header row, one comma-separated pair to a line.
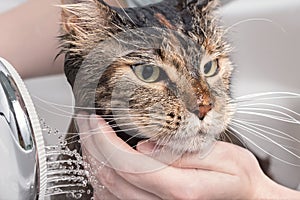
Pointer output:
x,y
269,189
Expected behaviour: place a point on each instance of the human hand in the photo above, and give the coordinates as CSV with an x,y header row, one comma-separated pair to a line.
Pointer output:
x,y
228,172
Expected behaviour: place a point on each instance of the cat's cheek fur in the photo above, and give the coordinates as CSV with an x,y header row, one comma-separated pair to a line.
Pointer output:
x,y
196,136
226,69
192,136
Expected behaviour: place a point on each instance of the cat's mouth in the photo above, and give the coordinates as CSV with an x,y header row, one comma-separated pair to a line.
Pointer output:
x,y
191,135
126,137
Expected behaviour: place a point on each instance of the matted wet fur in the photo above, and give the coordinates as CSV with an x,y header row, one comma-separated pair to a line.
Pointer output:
x,y
167,64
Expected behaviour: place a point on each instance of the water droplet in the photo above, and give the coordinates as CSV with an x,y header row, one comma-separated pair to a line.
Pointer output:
x,y
101,187
84,183
66,168
87,173
74,195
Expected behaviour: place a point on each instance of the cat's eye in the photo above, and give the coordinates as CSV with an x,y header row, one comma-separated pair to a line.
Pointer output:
x,y
211,68
147,73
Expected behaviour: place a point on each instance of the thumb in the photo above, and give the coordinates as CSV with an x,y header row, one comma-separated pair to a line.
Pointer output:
x,y
146,147
223,157
160,153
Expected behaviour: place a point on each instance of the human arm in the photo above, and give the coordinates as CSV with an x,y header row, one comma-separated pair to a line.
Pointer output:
x,y
228,172
29,37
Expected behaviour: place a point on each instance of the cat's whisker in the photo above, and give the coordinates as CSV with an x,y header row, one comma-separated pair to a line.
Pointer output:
x,y
88,133
160,144
235,101
133,118
131,129
234,135
110,121
256,96
138,117
155,131
119,4
263,150
292,148
97,130
68,115
273,98
94,131
265,105
55,105
119,109
112,153
247,130
225,135
255,20
287,118
125,116
262,127
58,110
128,124
89,117
256,133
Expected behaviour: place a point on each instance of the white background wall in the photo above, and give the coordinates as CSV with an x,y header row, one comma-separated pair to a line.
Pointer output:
x,y
266,54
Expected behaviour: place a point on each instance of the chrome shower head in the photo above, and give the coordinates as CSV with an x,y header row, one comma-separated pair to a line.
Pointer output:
x,y
22,150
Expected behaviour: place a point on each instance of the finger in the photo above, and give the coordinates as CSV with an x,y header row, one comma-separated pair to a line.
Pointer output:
x,y
117,153
113,182
224,157
144,172
163,155
82,122
120,188
121,157
175,183
104,194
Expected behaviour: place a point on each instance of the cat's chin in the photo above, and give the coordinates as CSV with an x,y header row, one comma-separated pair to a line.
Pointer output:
x,y
196,145
196,136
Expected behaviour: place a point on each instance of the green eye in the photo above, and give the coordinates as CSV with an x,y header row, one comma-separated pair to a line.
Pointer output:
x,y
211,68
147,73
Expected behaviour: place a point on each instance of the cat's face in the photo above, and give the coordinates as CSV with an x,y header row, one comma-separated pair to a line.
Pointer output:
x,y
169,82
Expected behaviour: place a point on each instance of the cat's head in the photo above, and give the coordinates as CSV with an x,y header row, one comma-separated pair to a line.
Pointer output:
x,y
160,72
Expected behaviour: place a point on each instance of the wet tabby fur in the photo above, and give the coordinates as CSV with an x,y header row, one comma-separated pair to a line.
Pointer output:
x,y
184,110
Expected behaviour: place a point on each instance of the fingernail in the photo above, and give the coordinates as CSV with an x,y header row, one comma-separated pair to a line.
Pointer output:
x,y
97,121
94,121
146,147
79,119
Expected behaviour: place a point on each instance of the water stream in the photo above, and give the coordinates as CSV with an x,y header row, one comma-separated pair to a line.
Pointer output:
x,y
67,172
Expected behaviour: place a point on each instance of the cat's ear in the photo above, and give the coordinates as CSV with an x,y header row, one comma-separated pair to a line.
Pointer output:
x,y
80,14
203,5
85,22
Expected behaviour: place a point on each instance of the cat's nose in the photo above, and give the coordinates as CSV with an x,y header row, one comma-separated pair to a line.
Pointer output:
x,y
203,110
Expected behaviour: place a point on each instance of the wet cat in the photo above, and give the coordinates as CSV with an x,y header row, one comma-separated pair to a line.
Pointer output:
x,y
160,72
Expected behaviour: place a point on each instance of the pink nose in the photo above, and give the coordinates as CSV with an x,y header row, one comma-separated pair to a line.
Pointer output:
x,y
203,110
